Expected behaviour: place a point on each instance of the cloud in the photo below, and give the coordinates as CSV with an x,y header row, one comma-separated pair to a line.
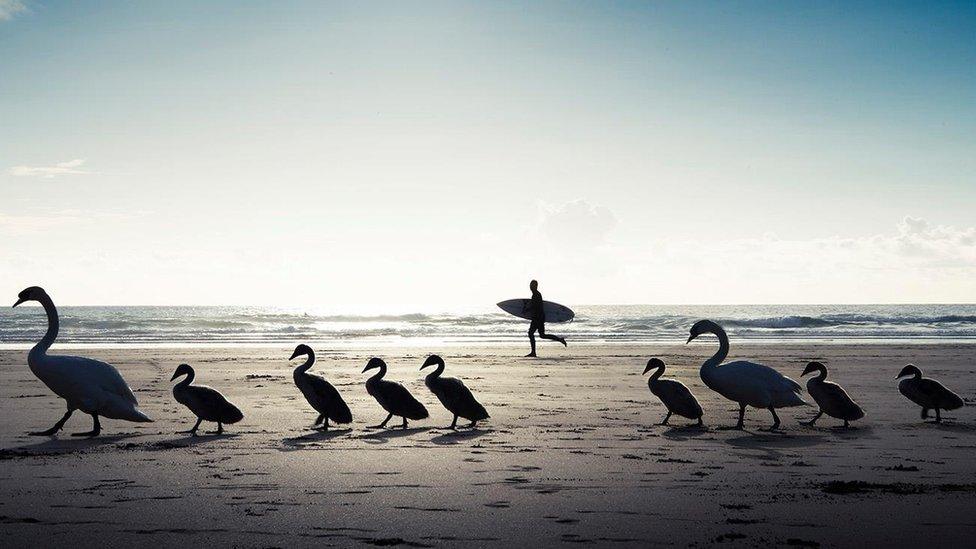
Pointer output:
x,y
915,261
10,8
71,167
577,223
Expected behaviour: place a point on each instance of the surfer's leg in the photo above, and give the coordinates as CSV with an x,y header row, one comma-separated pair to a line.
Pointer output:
x,y
532,328
550,337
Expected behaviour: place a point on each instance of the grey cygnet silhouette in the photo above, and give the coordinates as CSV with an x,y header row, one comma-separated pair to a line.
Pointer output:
x,y
92,386
673,394
319,393
832,399
205,402
538,322
393,397
743,382
453,394
927,392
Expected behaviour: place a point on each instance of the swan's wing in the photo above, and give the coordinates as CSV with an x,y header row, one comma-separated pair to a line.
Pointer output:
x,y
209,403
397,399
763,374
939,394
678,398
458,399
337,409
833,399
84,374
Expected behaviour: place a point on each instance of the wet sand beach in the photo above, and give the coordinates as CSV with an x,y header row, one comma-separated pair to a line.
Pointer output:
x,y
571,455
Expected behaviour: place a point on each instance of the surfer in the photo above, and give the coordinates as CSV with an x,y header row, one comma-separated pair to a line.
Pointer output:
x,y
538,314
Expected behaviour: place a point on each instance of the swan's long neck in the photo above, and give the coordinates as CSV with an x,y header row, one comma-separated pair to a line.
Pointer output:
x,y
823,374
187,380
657,373
723,349
52,326
379,375
437,373
302,368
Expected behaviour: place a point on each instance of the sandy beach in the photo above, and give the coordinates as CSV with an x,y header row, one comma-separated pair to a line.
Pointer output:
x,y
571,454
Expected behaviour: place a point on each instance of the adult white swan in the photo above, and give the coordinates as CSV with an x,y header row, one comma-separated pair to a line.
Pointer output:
x,y
94,387
746,383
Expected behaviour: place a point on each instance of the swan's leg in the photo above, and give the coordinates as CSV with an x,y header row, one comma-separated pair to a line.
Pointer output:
x,y
814,420
473,423
742,415
700,422
385,421
775,419
318,420
96,429
220,428
57,426
666,418
196,426
925,413
938,416
325,423
453,424
847,424
404,423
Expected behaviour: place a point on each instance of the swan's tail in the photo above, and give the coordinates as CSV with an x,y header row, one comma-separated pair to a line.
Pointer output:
x,y
139,416
116,408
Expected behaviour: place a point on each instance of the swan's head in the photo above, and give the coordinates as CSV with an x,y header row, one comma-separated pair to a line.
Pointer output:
x,y
182,370
534,285
432,360
653,364
813,367
34,293
302,349
701,327
374,363
910,370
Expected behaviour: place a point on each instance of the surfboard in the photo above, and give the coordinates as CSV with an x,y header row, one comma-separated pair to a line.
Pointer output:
x,y
554,311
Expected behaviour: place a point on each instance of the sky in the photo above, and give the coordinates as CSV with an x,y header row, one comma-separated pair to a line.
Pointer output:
x,y
438,155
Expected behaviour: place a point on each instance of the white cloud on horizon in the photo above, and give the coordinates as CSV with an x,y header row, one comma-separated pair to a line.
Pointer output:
x,y
71,167
10,8
577,223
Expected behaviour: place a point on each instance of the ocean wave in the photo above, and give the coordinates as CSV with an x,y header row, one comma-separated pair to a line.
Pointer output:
x,y
592,324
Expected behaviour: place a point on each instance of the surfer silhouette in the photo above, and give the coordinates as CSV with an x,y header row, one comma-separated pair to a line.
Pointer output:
x,y
538,313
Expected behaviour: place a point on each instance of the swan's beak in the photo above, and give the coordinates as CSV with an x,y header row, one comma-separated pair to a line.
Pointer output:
x,y
176,375
19,301
648,369
692,336
366,369
293,355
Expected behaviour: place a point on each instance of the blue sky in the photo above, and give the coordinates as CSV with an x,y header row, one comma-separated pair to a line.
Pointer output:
x,y
440,154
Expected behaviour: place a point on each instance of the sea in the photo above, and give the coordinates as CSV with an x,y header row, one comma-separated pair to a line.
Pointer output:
x,y
594,324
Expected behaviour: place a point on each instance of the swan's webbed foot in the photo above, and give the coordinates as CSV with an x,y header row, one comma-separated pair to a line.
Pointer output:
x,y
530,355
220,429
193,431
700,423
473,424
382,425
665,420
812,420
57,426
47,433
